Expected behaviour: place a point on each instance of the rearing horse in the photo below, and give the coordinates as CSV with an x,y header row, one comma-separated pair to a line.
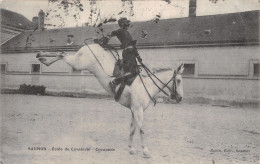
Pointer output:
x,y
95,59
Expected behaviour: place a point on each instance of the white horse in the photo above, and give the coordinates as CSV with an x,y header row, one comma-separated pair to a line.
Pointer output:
x,y
95,59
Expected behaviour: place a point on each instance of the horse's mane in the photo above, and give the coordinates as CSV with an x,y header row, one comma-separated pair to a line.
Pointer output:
x,y
156,70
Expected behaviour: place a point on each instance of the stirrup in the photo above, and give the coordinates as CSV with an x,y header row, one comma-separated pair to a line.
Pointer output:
x,y
112,86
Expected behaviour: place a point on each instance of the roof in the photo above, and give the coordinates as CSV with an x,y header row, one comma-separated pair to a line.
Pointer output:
x,y
234,28
16,20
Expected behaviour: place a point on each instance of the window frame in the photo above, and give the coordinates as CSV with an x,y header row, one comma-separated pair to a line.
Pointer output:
x,y
5,64
196,67
252,62
31,68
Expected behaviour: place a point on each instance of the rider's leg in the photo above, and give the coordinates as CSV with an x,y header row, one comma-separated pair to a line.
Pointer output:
x,y
129,67
118,80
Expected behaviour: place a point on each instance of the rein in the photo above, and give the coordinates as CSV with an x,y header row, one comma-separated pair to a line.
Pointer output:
x,y
113,48
95,57
149,74
110,47
164,85
160,89
148,71
152,98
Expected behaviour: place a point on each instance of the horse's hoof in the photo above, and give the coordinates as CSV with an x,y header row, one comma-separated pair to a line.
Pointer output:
x,y
146,153
38,55
42,60
132,151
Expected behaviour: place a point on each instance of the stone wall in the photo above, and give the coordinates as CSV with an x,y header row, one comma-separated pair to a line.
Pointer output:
x,y
220,72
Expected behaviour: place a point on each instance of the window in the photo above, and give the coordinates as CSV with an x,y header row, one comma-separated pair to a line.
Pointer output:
x,y
3,68
70,39
207,32
256,69
144,34
36,68
189,69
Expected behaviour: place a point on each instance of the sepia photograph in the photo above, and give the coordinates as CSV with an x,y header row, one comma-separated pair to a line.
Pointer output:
x,y
130,82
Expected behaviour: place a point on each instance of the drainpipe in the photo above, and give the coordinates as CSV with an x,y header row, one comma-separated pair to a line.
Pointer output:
x,y
192,8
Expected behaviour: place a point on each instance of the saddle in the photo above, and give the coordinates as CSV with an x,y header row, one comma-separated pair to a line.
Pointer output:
x,y
118,73
122,86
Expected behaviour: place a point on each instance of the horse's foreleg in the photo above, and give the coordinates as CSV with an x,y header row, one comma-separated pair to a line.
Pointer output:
x,y
132,132
138,114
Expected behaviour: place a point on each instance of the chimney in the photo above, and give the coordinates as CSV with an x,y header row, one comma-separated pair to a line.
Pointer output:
x,y
41,20
192,8
35,20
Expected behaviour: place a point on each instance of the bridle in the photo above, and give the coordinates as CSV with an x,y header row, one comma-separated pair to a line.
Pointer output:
x,y
173,91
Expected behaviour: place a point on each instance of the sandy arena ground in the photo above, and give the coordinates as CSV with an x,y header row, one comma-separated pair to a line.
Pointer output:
x,y
180,133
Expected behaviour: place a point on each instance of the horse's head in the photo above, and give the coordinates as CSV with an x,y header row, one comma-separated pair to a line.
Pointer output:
x,y
177,85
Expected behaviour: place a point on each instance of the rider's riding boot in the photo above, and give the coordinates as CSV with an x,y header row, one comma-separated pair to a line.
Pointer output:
x,y
118,80
113,84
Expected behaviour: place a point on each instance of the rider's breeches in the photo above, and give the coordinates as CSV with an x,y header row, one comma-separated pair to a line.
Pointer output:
x,y
129,61
116,81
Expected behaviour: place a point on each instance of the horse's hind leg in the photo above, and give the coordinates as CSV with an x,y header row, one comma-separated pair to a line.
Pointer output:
x,y
46,62
48,54
132,132
138,114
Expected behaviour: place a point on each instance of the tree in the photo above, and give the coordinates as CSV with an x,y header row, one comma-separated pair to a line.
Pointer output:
x,y
215,1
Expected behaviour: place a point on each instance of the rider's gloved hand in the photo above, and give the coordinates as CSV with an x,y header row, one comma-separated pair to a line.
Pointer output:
x,y
139,59
105,40
138,69
96,40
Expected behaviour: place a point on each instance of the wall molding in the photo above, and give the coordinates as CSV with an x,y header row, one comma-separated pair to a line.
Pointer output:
x,y
139,46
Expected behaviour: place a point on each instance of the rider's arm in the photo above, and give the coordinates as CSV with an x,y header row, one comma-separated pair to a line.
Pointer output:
x,y
137,55
139,58
108,37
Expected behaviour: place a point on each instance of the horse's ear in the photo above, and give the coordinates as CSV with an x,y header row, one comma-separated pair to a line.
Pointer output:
x,y
180,69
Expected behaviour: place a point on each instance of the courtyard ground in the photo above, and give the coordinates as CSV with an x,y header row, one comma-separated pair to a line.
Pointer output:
x,y
78,130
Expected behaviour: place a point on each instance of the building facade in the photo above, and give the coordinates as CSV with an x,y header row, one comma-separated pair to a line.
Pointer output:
x,y
220,54
13,24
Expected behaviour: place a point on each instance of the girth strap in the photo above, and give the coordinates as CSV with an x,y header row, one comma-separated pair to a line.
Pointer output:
x,y
147,71
120,91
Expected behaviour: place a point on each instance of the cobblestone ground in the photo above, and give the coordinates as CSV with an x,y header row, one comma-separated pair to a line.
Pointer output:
x,y
175,133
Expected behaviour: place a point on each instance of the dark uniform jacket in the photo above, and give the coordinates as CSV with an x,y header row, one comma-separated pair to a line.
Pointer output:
x,y
129,51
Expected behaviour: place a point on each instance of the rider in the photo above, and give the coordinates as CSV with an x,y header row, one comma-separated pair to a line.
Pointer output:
x,y
129,54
